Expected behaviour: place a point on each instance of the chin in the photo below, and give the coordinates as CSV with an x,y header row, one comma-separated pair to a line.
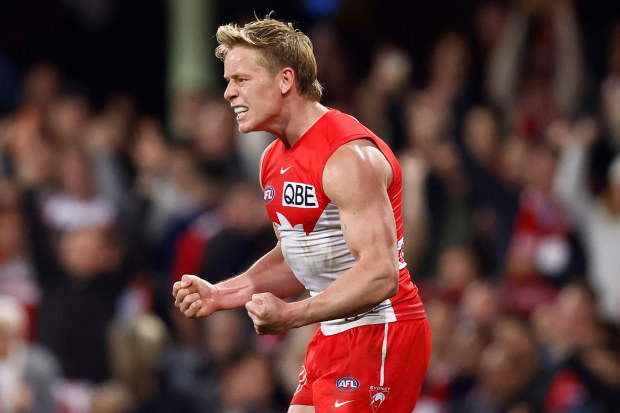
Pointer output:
x,y
245,129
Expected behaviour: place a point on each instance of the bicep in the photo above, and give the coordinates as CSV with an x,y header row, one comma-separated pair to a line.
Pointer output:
x,y
356,179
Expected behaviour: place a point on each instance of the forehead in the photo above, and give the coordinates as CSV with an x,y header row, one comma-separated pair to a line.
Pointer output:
x,y
241,59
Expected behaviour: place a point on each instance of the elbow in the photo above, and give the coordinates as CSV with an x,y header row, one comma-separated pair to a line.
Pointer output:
x,y
393,285
390,282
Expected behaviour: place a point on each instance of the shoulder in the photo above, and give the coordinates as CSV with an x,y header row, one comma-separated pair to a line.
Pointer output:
x,y
357,166
344,124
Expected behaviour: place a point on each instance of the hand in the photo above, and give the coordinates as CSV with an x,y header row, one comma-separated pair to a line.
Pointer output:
x,y
268,313
584,131
194,296
587,130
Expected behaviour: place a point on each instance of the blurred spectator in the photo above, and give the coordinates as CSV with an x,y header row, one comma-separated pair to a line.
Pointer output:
x,y
442,183
245,236
28,373
136,348
443,370
42,85
610,90
100,210
596,217
510,377
248,386
540,250
29,152
481,306
332,60
77,203
17,274
482,135
495,185
535,72
381,96
457,268
193,368
582,352
110,397
415,209
81,275
450,71
290,356
67,117
212,139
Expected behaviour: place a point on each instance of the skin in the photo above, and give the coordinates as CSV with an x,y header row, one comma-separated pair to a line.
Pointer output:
x,y
355,178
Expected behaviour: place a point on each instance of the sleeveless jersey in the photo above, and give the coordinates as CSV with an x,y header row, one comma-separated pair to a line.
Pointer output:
x,y
308,222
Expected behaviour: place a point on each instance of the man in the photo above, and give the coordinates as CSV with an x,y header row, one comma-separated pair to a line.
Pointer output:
x,y
333,191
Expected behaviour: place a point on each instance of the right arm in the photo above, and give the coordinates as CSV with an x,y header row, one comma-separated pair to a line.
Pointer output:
x,y
570,184
504,61
196,297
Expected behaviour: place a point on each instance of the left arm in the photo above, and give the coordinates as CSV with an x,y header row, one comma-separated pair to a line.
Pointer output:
x,y
356,179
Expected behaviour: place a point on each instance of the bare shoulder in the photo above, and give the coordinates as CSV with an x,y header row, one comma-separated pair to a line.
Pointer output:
x,y
356,167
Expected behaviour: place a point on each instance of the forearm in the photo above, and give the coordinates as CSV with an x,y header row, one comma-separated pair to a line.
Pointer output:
x,y
570,183
504,61
271,273
569,70
357,290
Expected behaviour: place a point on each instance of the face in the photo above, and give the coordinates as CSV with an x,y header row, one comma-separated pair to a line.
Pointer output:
x,y
254,94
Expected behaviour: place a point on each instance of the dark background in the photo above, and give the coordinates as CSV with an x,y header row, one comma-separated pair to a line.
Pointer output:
x,y
123,48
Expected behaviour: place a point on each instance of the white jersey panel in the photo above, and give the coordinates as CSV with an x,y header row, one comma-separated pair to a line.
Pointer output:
x,y
319,257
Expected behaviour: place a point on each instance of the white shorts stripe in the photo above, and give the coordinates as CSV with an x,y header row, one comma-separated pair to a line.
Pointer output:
x,y
383,353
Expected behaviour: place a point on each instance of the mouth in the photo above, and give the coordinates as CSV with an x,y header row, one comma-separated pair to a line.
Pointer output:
x,y
240,111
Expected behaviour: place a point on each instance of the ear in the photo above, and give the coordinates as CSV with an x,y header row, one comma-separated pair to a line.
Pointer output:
x,y
287,80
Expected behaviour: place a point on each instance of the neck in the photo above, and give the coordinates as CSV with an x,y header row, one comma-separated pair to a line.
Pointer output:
x,y
298,118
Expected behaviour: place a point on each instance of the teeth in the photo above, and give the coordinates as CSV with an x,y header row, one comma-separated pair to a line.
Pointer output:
x,y
240,109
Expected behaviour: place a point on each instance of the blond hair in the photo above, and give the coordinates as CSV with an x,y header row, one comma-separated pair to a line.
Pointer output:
x,y
280,45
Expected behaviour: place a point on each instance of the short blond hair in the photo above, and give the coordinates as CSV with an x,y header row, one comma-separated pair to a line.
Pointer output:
x,y
280,45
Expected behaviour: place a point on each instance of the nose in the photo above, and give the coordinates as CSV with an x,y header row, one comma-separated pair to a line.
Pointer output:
x,y
231,92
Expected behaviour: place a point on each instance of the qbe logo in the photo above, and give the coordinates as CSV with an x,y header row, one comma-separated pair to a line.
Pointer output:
x,y
269,194
347,383
295,194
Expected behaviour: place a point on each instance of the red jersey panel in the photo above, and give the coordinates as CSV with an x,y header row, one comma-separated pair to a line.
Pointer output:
x,y
309,224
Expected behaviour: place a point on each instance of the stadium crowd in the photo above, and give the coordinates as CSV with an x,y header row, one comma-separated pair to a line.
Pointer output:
x,y
510,149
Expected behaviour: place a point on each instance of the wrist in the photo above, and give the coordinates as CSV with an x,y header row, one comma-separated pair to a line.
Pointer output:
x,y
296,313
217,297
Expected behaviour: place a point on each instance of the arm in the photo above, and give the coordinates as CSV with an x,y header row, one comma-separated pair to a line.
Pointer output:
x,y
504,61
196,297
570,183
356,178
568,77
415,211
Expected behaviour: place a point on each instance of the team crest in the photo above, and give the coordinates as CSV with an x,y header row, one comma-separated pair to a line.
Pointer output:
x,y
269,194
378,394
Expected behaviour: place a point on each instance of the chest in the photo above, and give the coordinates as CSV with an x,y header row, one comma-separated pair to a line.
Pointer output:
x,y
293,192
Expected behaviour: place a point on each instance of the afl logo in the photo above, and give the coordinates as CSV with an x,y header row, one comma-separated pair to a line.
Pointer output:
x,y
269,194
347,383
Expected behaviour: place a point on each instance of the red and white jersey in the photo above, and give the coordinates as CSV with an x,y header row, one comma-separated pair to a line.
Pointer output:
x,y
309,224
